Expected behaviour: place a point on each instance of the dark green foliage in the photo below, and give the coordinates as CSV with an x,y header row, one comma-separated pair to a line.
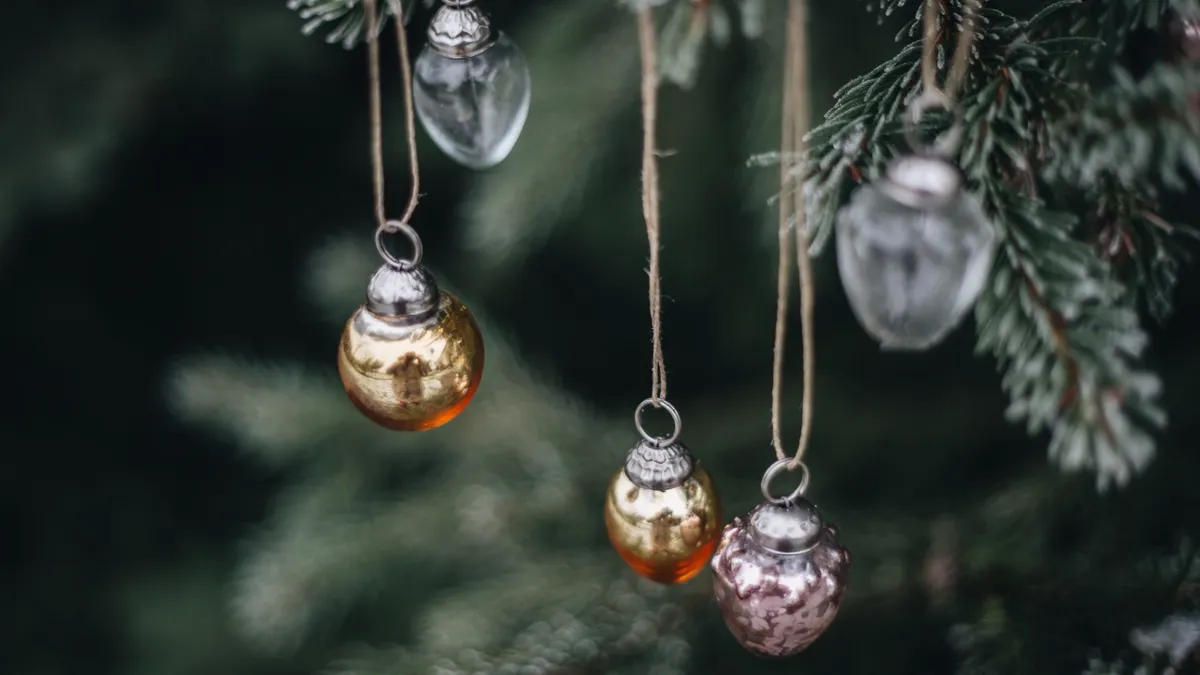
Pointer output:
x,y
1151,125
1144,249
170,510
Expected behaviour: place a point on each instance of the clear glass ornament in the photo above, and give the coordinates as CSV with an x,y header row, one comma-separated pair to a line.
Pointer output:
x,y
914,252
472,87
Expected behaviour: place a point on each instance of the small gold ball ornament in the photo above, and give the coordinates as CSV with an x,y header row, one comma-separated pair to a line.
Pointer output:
x,y
411,357
662,510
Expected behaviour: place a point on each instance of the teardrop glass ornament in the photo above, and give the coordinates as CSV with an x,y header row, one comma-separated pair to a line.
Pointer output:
x,y
472,88
914,252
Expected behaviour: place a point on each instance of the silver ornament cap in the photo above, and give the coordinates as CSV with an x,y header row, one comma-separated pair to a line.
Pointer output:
x,y
779,575
654,465
459,30
786,528
403,293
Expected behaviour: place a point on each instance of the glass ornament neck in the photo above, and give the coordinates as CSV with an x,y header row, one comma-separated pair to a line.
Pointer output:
x,y
922,180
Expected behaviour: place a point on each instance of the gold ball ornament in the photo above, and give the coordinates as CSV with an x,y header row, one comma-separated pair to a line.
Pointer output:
x,y
662,510
411,357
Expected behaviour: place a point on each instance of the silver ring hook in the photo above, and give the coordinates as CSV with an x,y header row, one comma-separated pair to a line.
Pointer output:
x,y
773,471
658,440
933,99
408,231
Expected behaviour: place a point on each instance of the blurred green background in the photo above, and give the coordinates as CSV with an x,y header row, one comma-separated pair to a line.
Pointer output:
x,y
185,222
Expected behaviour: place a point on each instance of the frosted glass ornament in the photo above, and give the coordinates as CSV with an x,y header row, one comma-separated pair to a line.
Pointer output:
x,y
914,252
472,87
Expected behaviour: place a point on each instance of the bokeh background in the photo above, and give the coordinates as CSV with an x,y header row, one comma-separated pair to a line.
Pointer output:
x,y
185,223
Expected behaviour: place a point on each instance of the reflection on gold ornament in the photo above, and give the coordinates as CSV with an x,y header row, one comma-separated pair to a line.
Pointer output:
x,y
663,513
416,366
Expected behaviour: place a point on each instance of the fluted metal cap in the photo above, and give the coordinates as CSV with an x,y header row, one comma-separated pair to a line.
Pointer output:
x,y
658,466
410,293
793,527
460,29
922,181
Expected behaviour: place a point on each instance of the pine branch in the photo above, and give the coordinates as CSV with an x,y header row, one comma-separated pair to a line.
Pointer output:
x,y
692,23
1176,637
684,38
330,538
283,415
1137,133
576,616
1010,636
884,9
861,131
1143,248
339,530
1127,666
345,19
1061,326
1164,648
989,645
1127,13
1066,335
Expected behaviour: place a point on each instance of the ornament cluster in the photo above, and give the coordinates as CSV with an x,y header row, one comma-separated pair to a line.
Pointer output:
x,y
915,249
778,573
411,359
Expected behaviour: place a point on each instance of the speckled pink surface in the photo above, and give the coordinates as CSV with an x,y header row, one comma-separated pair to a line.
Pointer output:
x,y
777,604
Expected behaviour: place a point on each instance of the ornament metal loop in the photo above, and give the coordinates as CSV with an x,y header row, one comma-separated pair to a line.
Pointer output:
x,y
660,403
948,141
408,231
774,471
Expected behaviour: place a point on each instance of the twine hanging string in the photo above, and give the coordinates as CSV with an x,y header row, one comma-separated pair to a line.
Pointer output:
x,y
371,9
376,106
793,232
410,125
962,49
650,193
